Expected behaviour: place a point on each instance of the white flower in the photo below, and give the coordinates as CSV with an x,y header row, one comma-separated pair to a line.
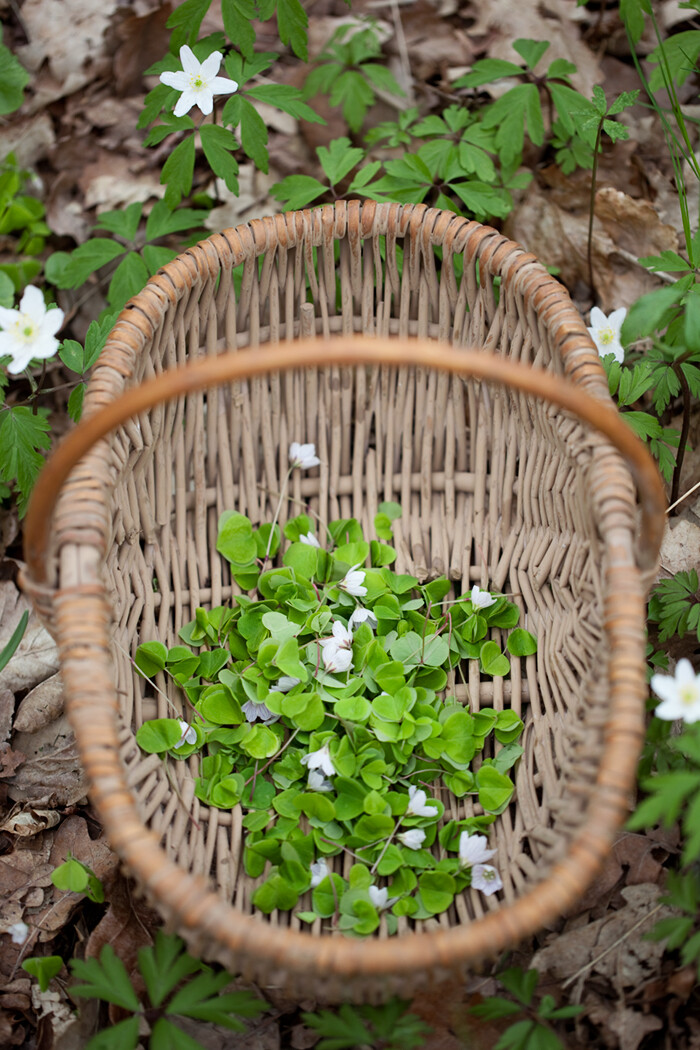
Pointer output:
x,y
284,683
309,539
352,582
486,879
336,658
319,870
416,804
472,849
605,332
198,82
254,710
303,456
317,781
414,838
680,693
320,759
362,615
189,734
481,599
29,332
341,638
19,931
379,897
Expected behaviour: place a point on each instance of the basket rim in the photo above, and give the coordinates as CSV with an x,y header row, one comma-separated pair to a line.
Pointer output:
x,y
82,615
79,618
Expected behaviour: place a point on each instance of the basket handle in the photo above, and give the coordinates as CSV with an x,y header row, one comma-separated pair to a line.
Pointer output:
x,y
344,350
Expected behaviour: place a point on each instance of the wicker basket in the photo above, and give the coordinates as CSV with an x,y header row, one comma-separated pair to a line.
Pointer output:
x,y
498,486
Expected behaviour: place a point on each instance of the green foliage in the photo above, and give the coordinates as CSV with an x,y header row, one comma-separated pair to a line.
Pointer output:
x,y
176,985
139,257
675,606
75,877
22,223
13,80
10,647
266,699
23,438
388,1026
44,968
238,16
349,74
681,932
535,1031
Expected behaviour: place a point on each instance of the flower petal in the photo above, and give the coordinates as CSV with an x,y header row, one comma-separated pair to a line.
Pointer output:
x,y
598,318
210,67
223,86
190,63
52,322
185,103
8,317
32,303
617,317
178,80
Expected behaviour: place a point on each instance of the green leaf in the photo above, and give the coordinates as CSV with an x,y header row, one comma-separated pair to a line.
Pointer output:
x,y
531,50
162,221
649,312
155,257
121,1036
495,789
44,968
275,893
218,145
287,98
238,16
493,661
168,1036
106,979
124,223
150,658
158,735
10,647
13,80
437,890
253,135
487,71
292,23
296,191
521,643
235,540
382,78
87,258
165,965
338,159
22,434
178,170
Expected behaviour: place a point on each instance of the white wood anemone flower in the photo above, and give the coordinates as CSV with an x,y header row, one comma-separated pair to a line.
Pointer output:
x,y
486,878
284,683
303,456
379,895
417,804
319,871
30,331
198,82
414,838
362,615
320,759
352,582
605,332
481,599
336,658
317,782
189,734
472,849
254,710
680,693
310,540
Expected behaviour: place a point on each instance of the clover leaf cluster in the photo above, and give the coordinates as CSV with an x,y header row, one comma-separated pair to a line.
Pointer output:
x,y
323,704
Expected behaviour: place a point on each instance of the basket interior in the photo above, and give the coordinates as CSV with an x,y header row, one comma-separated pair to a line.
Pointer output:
x,y
495,489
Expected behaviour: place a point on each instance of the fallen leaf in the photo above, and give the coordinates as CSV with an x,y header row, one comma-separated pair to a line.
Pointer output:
x,y
52,774
7,710
143,40
40,706
680,546
30,822
36,656
627,1025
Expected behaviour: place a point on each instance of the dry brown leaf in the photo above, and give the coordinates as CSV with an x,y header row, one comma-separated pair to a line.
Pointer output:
x,y
613,946
144,39
36,656
40,706
680,546
30,822
631,856
52,774
629,1027
624,230
7,710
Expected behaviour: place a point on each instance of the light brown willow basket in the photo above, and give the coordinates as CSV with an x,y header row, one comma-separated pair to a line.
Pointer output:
x,y
508,477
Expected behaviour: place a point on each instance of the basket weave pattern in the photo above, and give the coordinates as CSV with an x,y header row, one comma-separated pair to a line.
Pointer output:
x,y
497,488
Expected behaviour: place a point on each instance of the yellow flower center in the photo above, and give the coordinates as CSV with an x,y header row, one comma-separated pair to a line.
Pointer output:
x,y
606,335
689,693
25,328
196,82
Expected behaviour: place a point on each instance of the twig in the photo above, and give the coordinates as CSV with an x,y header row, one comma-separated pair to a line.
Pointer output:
x,y
625,935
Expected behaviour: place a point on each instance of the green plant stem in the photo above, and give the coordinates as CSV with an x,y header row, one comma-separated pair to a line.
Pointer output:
x,y
685,427
591,209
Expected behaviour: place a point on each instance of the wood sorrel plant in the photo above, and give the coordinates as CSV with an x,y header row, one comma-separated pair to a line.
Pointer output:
x,y
329,696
